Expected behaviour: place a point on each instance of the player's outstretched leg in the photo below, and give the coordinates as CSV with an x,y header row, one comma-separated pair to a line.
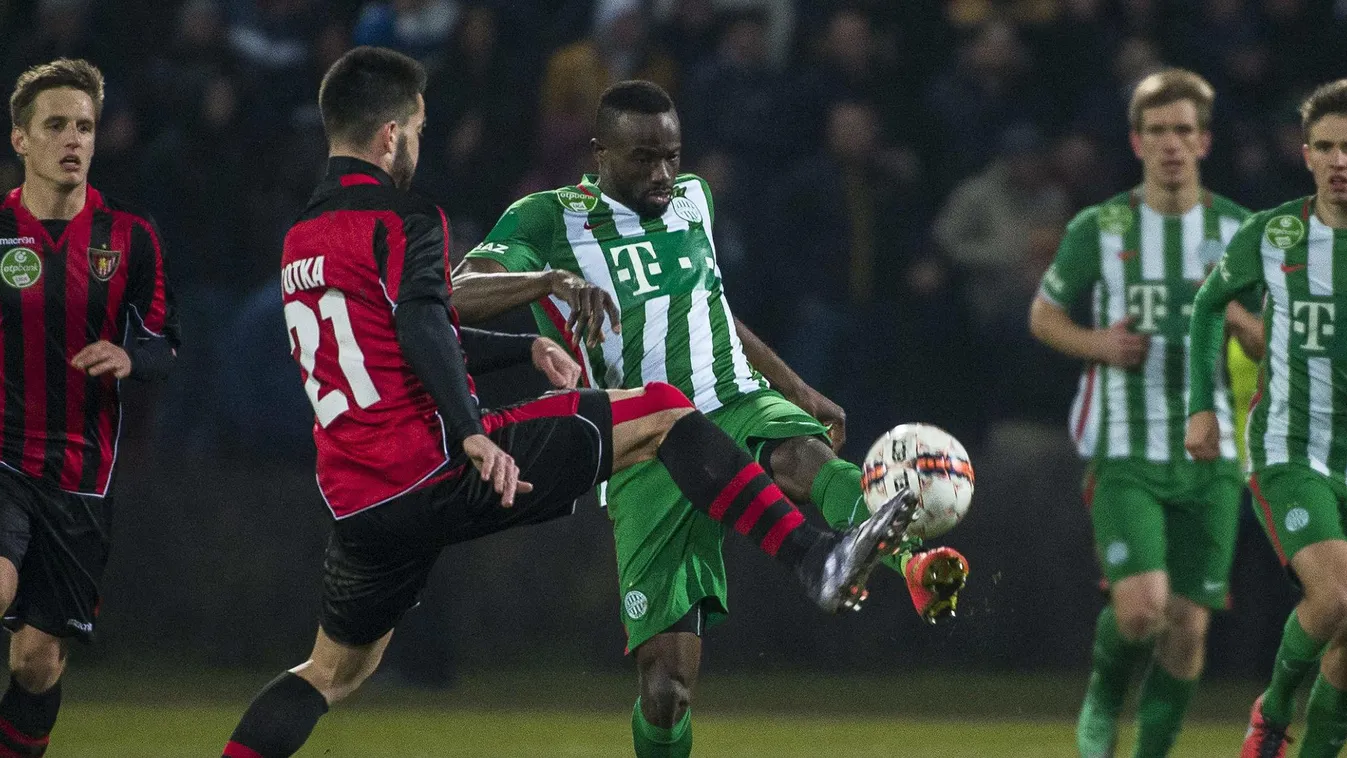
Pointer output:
x,y
28,708
721,480
807,469
283,714
1114,657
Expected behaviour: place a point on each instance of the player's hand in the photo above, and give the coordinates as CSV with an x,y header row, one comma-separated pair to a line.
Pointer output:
x,y
589,302
559,367
496,466
1120,347
828,413
934,579
103,357
1203,440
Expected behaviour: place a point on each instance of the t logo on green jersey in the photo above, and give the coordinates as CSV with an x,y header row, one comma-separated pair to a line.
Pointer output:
x,y
1317,324
1148,302
638,266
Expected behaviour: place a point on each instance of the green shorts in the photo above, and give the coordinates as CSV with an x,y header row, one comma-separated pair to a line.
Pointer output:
x,y
1181,518
1297,507
668,554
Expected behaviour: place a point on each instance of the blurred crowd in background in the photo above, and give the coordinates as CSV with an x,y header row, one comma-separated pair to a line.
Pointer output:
x,y
891,177
897,173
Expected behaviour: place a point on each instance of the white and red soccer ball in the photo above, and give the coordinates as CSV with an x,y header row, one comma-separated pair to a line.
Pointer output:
x,y
927,460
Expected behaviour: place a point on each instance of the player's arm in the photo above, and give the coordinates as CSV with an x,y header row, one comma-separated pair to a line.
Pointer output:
x,y
429,344
789,384
1247,329
1237,273
491,351
484,287
153,336
1074,270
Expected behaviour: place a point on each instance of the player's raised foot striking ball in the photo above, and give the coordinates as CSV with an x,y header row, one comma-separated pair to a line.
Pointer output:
x,y
1264,739
934,579
835,570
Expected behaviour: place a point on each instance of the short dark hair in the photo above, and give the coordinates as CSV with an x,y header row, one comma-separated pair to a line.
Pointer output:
x,y
1325,99
631,96
1171,86
365,89
62,72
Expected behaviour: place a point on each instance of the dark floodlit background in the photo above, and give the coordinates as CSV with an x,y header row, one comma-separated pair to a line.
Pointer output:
x,y
891,178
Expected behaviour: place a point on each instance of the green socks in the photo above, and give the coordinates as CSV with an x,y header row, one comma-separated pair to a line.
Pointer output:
x,y
1113,661
1326,724
1164,700
654,742
1298,654
837,493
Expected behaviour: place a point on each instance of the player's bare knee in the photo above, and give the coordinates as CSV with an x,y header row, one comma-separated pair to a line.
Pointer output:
x,y
1141,618
665,697
37,666
1329,602
795,462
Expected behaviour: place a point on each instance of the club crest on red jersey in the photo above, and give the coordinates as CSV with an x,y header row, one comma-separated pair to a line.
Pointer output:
x,y
103,263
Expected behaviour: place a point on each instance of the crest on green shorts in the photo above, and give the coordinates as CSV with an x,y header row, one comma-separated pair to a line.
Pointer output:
x,y
635,604
1285,231
575,200
20,267
1115,219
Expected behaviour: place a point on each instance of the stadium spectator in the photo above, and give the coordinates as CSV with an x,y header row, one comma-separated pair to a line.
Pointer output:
x,y
418,28
988,225
619,48
989,86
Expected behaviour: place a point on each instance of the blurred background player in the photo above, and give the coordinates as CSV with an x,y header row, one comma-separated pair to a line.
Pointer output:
x,y
1298,426
397,422
634,244
1164,526
83,305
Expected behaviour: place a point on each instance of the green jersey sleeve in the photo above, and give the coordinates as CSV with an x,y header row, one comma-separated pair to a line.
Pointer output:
x,y
520,239
1238,273
1075,269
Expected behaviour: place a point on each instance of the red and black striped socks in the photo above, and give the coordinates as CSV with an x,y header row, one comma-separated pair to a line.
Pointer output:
x,y
724,482
26,720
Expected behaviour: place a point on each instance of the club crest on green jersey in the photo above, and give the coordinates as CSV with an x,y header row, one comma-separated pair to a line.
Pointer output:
x,y
20,268
575,200
687,210
1285,231
1115,219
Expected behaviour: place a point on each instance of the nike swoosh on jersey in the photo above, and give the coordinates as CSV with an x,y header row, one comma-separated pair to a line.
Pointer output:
x,y
1287,269
1127,255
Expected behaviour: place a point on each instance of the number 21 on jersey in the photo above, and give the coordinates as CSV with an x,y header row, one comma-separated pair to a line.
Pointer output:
x,y
304,330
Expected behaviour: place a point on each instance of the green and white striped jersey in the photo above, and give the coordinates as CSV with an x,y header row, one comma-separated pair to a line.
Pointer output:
x,y
1300,412
661,273
1140,263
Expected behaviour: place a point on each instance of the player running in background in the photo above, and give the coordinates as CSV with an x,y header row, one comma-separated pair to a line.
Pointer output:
x,y
1164,525
83,305
634,244
407,461
1298,425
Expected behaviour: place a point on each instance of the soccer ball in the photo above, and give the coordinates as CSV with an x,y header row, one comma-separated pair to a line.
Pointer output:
x,y
927,460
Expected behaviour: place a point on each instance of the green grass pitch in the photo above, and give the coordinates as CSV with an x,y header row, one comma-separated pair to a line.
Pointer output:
x,y
550,714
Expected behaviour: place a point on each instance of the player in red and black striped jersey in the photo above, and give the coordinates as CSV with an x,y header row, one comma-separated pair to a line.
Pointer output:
x,y
83,305
409,463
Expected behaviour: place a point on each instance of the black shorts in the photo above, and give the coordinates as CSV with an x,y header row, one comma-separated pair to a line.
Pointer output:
x,y
378,559
59,541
